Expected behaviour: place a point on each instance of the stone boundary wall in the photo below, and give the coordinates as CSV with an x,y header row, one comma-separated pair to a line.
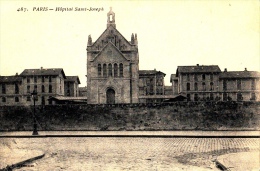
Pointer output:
x,y
168,116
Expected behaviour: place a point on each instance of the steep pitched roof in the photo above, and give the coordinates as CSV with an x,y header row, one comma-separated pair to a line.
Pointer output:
x,y
110,44
44,71
72,79
240,74
10,79
106,32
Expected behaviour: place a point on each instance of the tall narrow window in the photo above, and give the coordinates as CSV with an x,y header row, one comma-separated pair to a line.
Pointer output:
x,y
104,70
42,79
35,79
196,86
224,85
211,77
28,98
3,99
16,88
121,70
188,77
99,70
225,96
50,88
3,89
211,97
115,70
239,96
28,89
110,70
239,84
35,88
50,80
16,99
43,89
253,84
253,96
203,76
211,86
196,97
28,79
188,97
188,86
196,77
203,86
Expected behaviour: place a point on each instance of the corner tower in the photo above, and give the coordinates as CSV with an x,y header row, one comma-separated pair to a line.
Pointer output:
x,y
112,67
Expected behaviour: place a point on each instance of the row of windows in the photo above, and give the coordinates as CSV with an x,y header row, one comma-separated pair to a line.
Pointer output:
x,y
16,89
239,83
188,87
203,76
35,88
110,70
43,78
28,98
225,97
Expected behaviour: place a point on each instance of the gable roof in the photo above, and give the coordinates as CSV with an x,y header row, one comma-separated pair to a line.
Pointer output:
x,y
198,69
44,71
105,31
113,46
72,79
10,79
240,74
150,72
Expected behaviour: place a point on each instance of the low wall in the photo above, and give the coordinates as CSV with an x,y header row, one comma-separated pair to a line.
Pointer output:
x,y
174,116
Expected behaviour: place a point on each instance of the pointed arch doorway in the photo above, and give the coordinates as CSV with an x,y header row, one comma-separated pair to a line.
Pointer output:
x,y
110,96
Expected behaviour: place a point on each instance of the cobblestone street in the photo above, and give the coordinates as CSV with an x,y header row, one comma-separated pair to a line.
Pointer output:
x,y
95,153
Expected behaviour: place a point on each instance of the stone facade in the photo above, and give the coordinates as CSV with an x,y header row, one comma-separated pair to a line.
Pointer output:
x,y
11,90
207,82
112,67
16,90
71,86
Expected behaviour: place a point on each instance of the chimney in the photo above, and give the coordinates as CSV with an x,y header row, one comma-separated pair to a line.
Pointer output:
x,y
225,70
245,69
198,64
16,74
41,68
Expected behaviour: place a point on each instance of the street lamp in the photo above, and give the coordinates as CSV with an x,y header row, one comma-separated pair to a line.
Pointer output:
x,y
34,96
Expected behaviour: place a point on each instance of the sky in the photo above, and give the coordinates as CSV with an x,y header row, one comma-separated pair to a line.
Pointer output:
x,y
170,34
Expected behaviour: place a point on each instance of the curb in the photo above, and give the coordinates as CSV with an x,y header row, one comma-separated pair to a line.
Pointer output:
x,y
20,164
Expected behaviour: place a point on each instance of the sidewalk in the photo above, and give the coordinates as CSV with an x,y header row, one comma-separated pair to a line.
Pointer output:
x,y
14,157
218,134
244,161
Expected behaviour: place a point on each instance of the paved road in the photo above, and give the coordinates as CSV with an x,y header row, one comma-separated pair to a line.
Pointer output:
x,y
150,133
97,153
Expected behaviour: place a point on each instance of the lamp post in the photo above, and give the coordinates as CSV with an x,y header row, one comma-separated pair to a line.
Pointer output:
x,y
34,95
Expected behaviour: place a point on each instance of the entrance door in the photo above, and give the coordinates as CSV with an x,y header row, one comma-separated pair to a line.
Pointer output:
x,y
110,96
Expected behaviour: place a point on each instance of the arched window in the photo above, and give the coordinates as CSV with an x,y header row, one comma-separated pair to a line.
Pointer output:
x,y
99,69
121,70
110,70
104,70
115,70
188,86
